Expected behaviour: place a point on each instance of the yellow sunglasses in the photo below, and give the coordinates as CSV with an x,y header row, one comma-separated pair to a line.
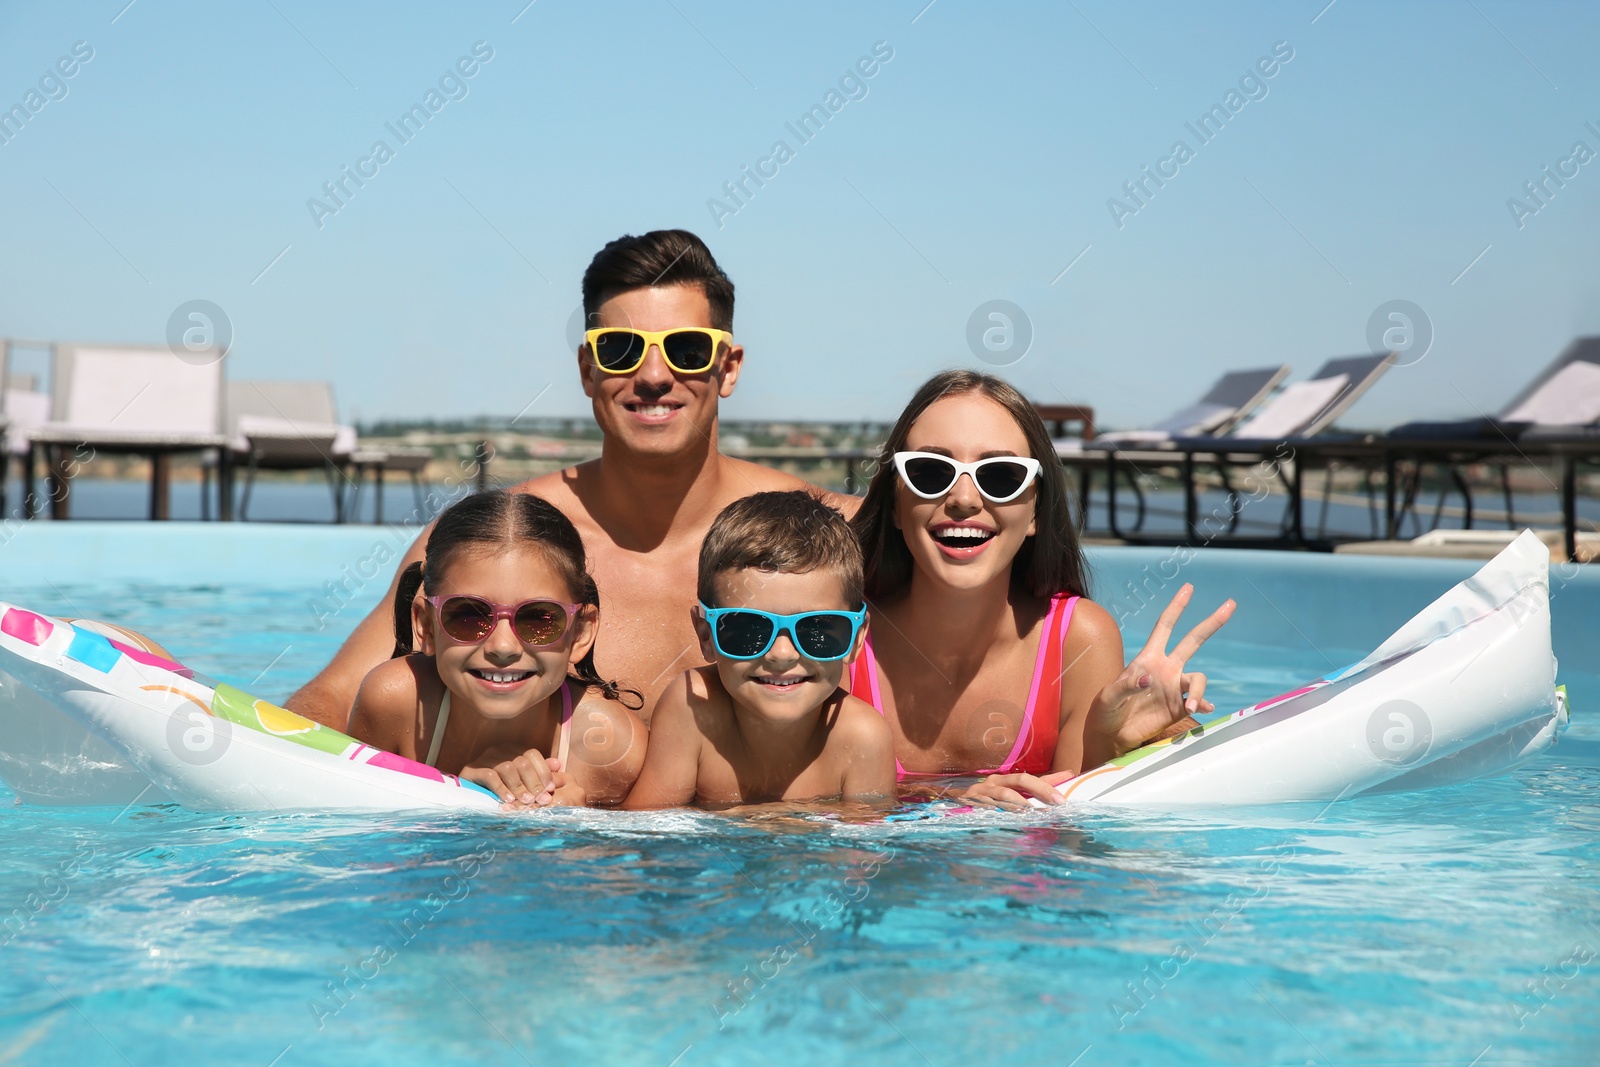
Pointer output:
x,y
690,350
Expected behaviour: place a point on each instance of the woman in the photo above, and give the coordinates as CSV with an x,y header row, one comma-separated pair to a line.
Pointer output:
x,y
985,655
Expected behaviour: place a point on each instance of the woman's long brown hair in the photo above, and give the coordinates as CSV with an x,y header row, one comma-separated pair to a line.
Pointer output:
x,y
1049,562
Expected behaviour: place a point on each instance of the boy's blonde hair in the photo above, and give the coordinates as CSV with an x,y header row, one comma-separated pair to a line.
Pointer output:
x,y
790,532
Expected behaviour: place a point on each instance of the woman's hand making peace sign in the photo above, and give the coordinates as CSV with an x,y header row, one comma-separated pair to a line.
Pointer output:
x,y
1148,697
1154,691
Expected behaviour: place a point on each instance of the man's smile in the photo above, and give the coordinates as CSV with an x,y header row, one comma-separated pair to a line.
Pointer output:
x,y
652,410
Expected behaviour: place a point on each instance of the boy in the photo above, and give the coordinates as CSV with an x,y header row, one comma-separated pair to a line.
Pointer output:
x,y
780,616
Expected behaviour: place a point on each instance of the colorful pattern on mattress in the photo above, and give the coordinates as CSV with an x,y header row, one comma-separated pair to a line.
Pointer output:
x,y
88,648
103,654
1153,747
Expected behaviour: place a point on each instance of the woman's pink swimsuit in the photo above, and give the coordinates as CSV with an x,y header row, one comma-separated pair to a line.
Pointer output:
x,y
1035,747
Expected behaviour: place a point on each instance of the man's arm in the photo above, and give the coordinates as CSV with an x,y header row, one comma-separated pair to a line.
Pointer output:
x,y
843,503
327,698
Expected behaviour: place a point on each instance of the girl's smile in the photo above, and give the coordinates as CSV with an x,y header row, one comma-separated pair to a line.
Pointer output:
x,y
501,681
500,676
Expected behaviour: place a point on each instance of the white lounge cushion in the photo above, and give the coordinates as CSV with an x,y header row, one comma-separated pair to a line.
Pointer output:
x,y
1194,419
1292,410
1570,398
24,411
264,430
263,427
1135,436
140,391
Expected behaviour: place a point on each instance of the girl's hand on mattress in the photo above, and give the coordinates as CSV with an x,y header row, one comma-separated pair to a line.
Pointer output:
x,y
520,779
1013,791
1155,690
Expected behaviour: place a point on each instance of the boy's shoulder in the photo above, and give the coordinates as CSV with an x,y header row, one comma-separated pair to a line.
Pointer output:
x,y
695,699
860,749
859,725
702,685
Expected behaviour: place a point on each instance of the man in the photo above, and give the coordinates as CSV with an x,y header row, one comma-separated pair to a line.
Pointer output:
x,y
644,506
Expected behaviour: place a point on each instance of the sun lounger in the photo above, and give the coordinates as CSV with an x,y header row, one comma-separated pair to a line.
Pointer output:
x,y
1302,410
1296,415
1555,418
1231,398
1562,400
379,461
288,426
130,399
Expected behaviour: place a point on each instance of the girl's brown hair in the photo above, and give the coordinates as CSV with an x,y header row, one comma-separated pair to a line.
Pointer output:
x,y
1049,562
501,519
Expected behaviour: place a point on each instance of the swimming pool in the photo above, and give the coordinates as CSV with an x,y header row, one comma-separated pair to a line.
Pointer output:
x,y
1405,928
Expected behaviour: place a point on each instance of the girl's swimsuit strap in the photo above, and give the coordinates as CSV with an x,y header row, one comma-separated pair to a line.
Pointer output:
x,y
438,728
563,731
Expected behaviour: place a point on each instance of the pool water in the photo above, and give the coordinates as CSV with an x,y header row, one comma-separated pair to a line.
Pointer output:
x,y
1457,926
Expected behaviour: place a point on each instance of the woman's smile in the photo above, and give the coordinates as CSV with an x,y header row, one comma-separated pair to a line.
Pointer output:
x,y
961,540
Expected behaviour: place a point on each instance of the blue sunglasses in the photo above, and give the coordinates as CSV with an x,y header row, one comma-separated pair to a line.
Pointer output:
x,y
745,633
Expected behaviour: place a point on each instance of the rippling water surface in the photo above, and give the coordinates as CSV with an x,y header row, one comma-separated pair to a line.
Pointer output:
x,y
1401,929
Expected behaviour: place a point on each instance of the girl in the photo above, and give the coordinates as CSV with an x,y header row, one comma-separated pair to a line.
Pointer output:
x,y
985,656
502,688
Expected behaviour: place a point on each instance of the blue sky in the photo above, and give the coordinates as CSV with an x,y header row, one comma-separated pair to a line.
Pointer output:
x,y
976,166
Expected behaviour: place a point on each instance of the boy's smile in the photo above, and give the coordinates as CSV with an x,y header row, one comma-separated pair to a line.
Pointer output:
x,y
781,682
782,685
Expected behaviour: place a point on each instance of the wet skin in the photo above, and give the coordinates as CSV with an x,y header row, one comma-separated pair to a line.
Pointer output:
x,y
642,509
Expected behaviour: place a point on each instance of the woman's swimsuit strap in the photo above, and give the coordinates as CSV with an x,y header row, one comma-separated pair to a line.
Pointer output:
x,y
864,686
1034,750
563,731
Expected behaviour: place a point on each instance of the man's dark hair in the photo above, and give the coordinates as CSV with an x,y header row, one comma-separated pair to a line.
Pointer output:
x,y
660,257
